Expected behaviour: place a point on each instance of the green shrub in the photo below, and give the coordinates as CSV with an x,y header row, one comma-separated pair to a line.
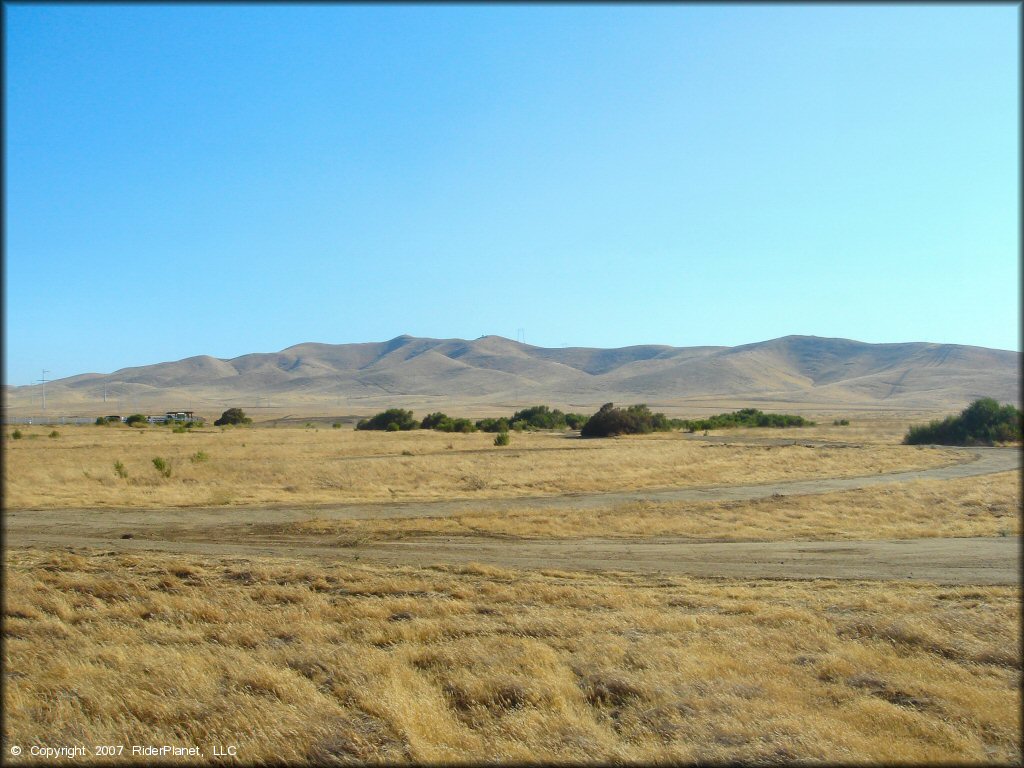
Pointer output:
x,y
983,422
162,466
232,416
575,420
501,438
432,420
101,421
16,434
841,423
634,420
55,433
135,418
199,457
400,418
336,425
120,470
539,417
448,424
493,425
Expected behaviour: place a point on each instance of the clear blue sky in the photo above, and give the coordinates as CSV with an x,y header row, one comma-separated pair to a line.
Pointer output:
x,y
190,179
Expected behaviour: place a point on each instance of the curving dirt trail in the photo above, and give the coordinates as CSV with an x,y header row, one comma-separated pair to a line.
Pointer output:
x,y
192,530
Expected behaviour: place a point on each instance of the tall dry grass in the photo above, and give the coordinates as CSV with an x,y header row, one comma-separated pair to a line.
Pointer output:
x,y
294,660
265,465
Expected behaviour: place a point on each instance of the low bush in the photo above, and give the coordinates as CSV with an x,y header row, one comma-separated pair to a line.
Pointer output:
x,y
841,423
55,433
634,420
391,420
983,422
501,438
120,470
456,425
575,420
493,425
199,457
16,434
336,425
539,417
162,466
135,418
232,416
431,420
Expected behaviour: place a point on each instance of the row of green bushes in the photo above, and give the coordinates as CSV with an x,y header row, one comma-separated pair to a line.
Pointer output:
x,y
609,420
536,417
983,422
746,417
138,419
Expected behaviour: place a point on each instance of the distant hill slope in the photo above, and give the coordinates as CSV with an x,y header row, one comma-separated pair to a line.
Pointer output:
x,y
795,369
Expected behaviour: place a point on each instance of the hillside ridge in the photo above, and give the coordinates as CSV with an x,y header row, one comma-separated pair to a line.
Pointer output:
x,y
795,368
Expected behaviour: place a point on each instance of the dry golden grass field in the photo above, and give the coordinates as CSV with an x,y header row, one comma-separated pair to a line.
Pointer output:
x,y
294,660
306,658
231,466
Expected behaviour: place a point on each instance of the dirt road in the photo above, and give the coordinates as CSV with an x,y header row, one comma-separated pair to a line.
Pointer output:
x,y
223,531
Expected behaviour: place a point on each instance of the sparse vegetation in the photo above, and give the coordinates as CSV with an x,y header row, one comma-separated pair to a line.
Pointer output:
x,y
391,420
162,466
983,422
199,457
232,416
120,470
841,423
54,433
336,425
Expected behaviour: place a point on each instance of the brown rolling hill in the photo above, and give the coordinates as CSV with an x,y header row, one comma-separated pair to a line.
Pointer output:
x,y
798,372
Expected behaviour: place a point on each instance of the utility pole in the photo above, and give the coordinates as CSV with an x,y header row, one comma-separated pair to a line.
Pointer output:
x,y
43,382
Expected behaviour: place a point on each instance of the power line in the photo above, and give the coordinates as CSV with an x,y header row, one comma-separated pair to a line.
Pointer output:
x,y
43,382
